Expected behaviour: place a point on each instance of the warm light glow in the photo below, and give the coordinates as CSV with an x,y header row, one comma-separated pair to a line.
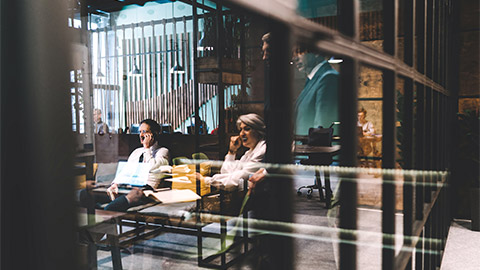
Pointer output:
x,y
335,61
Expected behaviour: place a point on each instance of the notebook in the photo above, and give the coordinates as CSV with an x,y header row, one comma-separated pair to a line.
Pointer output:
x,y
172,196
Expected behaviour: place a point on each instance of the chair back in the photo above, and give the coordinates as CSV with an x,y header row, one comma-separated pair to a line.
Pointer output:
x,y
320,136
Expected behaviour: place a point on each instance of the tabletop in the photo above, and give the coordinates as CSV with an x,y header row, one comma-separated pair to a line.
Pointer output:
x,y
309,149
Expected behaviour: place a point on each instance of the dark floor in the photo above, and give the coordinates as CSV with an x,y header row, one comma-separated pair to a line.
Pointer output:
x,y
315,241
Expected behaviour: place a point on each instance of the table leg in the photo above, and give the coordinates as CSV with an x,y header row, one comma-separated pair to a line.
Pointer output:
x,y
328,190
318,182
92,256
115,250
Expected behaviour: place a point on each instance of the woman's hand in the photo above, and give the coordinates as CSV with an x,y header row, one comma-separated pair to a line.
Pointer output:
x,y
257,177
235,143
198,176
112,191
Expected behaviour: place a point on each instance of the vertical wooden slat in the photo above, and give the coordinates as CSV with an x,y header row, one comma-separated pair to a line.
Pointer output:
x,y
141,64
161,56
348,93
184,49
212,94
173,107
175,111
184,103
429,38
436,39
170,107
428,143
144,78
108,81
390,11
420,145
409,33
435,141
420,33
160,108
191,92
132,114
127,111
184,98
128,65
116,83
194,88
188,57
125,88
165,58
204,109
278,248
153,61
171,62
428,244
221,96
388,162
135,111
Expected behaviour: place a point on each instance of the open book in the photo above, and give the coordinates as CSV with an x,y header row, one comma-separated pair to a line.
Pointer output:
x,y
172,196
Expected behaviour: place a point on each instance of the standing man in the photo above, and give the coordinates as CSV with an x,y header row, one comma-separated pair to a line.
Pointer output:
x,y
317,104
100,127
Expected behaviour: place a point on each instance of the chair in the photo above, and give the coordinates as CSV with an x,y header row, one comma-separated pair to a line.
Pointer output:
x,y
319,137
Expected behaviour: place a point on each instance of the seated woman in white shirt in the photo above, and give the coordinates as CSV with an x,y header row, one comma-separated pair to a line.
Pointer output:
x,y
234,172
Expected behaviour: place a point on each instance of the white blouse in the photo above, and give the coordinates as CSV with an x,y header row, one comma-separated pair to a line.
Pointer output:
x,y
367,128
234,172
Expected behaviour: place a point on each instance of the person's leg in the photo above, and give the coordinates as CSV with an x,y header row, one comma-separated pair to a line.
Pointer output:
x,y
120,204
93,200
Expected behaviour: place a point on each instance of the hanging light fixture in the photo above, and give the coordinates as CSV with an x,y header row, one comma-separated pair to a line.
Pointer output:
x,y
100,74
201,43
135,70
177,68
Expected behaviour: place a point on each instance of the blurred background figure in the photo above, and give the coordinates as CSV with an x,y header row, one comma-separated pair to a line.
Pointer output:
x,y
266,46
317,104
100,126
367,127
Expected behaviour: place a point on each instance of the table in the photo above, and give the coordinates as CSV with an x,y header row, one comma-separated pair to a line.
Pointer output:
x,y
368,154
152,219
93,226
318,155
